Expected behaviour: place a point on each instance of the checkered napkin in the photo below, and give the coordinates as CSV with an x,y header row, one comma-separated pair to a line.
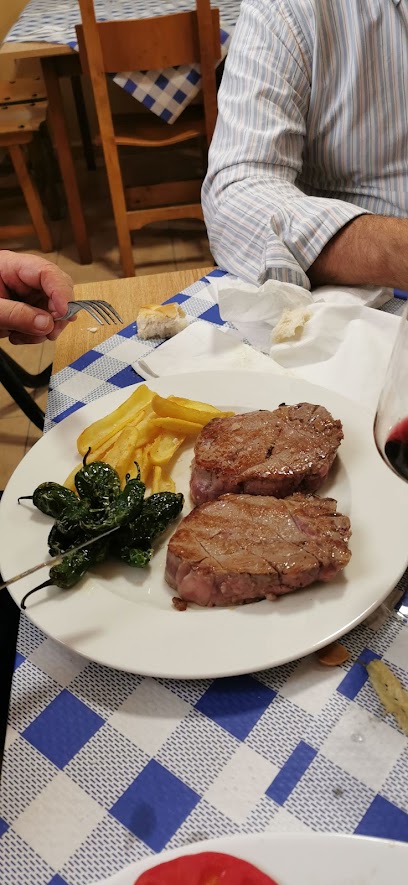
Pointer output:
x,y
166,93
103,768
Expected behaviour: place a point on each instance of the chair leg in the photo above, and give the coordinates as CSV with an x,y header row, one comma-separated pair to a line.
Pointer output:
x,y
31,197
122,229
83,123
39,380
20,395
117,194
46,174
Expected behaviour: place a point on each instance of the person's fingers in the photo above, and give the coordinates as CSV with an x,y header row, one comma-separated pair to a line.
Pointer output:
x,y
56,331
22,273
19,317
19,338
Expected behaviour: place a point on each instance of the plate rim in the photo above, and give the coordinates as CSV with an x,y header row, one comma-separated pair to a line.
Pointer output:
x,y
243,839
228,670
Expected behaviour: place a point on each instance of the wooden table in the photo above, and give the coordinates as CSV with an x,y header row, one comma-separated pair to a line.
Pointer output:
x,y
126,296
61,61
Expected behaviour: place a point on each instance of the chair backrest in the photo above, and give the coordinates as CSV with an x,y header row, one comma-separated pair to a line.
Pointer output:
x,y
153,44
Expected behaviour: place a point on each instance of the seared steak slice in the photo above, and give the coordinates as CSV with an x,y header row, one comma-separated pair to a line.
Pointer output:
x,y
265,453
241,548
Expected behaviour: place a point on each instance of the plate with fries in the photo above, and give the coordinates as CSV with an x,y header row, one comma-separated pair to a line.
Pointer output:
x,y
123,617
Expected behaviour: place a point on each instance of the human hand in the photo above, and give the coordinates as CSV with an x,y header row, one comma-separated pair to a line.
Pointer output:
x,y
33,292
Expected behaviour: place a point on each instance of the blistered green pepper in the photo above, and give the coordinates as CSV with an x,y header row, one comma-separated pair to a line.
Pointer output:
x,y
51,498
134,556
98,483
136,538
73,567
123,509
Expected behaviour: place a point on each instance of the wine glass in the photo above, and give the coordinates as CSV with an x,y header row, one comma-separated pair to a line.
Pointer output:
x,y
391,420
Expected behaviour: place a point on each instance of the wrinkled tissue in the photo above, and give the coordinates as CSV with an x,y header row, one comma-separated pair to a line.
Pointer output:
x,y
343,344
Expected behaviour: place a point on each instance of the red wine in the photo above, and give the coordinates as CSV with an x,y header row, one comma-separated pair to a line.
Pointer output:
x,y
396,448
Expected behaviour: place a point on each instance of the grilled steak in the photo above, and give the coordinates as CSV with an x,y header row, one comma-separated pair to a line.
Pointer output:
x,y
265,453
241,548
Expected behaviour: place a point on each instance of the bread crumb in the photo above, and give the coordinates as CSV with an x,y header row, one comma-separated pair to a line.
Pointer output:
x,y
291,323
92,329
390,692
333,655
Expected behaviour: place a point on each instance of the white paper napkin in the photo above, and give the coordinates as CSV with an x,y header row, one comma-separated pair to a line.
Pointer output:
x,y
255,311
344,346
203,347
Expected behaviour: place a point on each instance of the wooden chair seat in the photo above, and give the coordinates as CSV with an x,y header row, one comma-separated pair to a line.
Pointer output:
x,y
22,90
19,122
146,130
180,38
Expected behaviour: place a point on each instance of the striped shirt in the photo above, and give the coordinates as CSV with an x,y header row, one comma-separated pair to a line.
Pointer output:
x,y
312,131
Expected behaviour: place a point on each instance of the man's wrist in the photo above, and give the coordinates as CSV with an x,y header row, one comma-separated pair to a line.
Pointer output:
x,y
369,250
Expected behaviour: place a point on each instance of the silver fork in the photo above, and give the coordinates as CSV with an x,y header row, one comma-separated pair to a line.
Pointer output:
x,y
101,311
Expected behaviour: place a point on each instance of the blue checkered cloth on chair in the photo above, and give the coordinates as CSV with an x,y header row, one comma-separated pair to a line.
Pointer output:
x,y
166,93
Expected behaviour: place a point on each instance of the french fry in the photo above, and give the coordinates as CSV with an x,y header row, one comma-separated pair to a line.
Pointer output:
x,y
201,407
177,426
156,480
181,410
391,692
167,484
97,433
121,454
164,447
139,458
147,429
70,480
161,483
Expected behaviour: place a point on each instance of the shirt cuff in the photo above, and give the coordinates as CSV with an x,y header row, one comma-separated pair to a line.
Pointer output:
x,y
304,232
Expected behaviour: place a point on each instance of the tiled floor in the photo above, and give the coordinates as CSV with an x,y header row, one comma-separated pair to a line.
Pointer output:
x,y
157,249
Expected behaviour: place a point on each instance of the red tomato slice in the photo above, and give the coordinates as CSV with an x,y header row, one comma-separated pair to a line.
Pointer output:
x,y
207,868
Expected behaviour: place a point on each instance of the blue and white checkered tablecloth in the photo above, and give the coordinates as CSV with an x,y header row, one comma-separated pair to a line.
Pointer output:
x,y
104,767
166,93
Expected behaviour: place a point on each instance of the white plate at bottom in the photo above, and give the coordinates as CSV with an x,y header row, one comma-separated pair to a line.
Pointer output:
x,y
298,859
124,618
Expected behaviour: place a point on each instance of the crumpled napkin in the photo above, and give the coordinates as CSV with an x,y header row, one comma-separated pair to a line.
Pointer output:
x,y
256,311
344,346
202,347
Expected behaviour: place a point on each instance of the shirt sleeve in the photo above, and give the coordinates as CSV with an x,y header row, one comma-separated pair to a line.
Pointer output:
x,y
260,224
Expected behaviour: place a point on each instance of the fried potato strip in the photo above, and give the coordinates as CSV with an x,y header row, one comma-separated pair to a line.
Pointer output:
x,y
144,433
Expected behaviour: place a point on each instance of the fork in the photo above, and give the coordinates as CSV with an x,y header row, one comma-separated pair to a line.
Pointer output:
x,y
101,311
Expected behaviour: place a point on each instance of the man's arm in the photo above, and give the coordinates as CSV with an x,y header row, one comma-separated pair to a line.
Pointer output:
x,y
371,250
260,224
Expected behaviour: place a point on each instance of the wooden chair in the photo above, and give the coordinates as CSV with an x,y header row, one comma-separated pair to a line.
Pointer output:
x,y
140,45
20,120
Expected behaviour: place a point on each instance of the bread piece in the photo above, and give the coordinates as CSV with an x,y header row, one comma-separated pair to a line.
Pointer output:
x,y
160,320
291,324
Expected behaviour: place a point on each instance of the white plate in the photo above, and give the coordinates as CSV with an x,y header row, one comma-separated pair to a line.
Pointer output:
x,y
124,618
299,859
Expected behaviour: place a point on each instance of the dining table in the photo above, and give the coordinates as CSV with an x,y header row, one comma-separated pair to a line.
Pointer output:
x,y
103,767
46,32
